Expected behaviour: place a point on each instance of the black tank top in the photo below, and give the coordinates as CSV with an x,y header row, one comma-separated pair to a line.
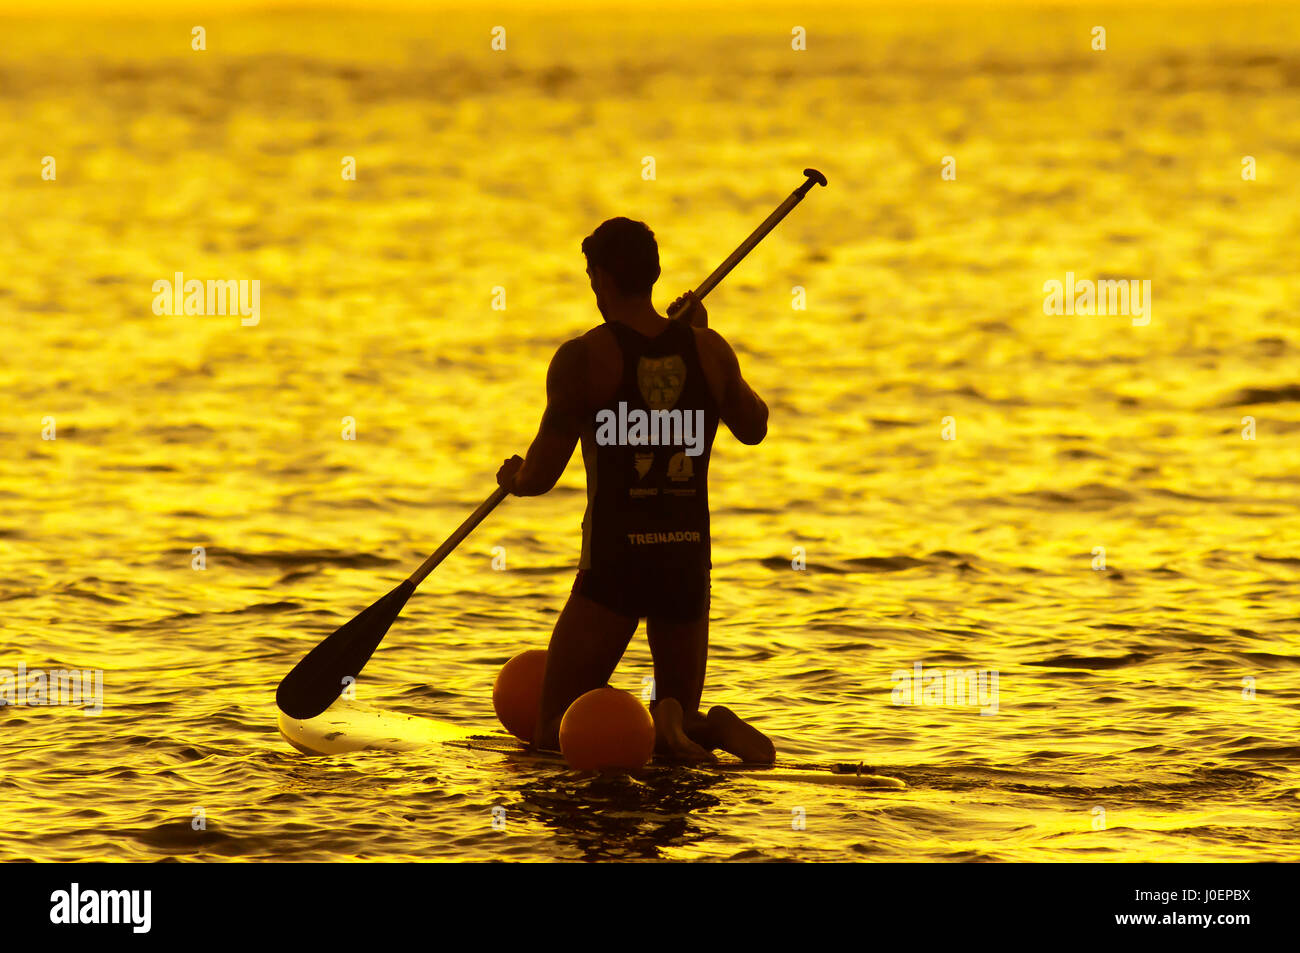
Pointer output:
x,y
646,451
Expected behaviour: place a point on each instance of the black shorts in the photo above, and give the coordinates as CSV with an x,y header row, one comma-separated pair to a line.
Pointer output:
x,y
673,594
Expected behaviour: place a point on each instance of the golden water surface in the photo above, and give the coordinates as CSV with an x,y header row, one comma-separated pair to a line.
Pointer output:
x,y
1148,695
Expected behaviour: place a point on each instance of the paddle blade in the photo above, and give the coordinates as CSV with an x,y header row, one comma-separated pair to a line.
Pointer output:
x,y
316,681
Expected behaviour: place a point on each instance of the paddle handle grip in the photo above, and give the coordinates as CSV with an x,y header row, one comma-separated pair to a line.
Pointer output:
x,y
456,538
758,234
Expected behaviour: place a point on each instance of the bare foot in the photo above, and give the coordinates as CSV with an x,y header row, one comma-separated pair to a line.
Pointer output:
x,y
740,738
670,737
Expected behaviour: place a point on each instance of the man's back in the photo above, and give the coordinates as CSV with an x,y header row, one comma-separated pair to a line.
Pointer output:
x,y
739,407
646,437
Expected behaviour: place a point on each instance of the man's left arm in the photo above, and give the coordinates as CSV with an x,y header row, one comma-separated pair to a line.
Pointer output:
x,y
561,423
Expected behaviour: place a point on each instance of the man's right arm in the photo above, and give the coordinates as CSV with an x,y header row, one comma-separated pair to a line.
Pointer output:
x,y
742,410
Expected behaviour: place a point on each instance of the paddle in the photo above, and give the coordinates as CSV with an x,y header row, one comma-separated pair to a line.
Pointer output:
x,y
316,681
756,236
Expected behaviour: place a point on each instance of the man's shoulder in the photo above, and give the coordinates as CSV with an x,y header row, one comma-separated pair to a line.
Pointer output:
x,y
599,344
596,335
710,344
706,336
572,359
573,348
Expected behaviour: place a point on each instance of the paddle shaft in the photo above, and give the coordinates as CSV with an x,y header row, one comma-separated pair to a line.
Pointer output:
x,y
455,539
708,284
758,234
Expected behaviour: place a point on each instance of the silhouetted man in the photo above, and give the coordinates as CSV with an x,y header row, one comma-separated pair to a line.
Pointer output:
x,y
644,394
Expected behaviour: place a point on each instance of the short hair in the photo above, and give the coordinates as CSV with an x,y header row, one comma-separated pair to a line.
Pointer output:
x,y
627,251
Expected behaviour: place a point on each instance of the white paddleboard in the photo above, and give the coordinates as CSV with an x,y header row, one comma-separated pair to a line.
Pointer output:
x,y
355,726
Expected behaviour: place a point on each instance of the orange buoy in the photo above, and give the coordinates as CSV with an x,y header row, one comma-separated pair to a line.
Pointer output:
x,y
517,693
607,728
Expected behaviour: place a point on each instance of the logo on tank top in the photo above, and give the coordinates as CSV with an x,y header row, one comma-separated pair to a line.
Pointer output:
x,y
642,462
660,380
680,468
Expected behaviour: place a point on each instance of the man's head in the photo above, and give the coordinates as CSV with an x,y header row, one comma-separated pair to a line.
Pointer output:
x,y
622,261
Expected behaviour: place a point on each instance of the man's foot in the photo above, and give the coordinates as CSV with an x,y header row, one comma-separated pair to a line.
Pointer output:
x,y
738,737
670,737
